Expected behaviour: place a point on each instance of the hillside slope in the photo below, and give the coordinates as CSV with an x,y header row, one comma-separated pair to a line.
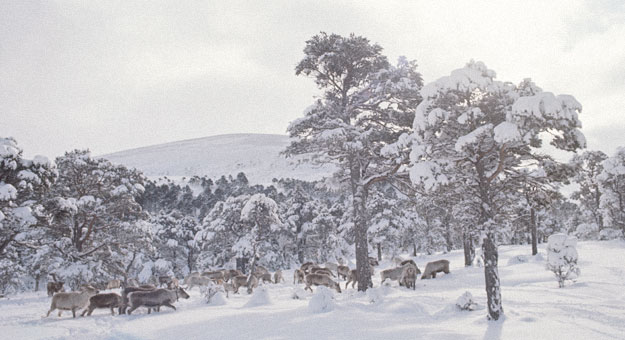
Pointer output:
x,y
257,155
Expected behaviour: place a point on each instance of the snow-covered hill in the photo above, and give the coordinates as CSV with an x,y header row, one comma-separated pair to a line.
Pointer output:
x,y
258,155
535,308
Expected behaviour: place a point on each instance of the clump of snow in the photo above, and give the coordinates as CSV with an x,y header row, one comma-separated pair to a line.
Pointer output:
x,y
506,132
376,295
562,257
610,234
517,260
466,302
299,293
472,136
259,298
7,192
322,301
214,295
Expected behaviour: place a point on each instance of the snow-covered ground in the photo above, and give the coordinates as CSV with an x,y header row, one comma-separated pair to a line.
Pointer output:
x,y
535,308
257,155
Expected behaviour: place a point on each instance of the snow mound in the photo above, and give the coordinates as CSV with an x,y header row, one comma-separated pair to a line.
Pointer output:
x,y
466,302
259,298
218,299
299,293
518,260
322,301
376,295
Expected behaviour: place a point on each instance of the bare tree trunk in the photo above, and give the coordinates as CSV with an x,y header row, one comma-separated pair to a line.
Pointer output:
x,y
491,275
37,277
534,231
379,253
469,249
362,249
414,249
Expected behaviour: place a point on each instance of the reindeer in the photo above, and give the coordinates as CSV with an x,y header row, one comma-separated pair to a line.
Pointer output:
x,y
319,270
155,298
331,265
435,267
200,281
230,273
298,275
164,280
342,271
173,284
242,280
408,277
72,300
306,267
277,277
126,291
321,280
113,284
216,276
55,286
265,277
260,270
353,278
110,300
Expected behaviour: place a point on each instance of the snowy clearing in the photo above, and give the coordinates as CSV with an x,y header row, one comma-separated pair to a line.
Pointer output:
x,y
535,308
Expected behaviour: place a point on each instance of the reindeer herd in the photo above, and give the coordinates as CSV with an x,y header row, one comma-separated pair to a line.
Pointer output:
x,y
169,290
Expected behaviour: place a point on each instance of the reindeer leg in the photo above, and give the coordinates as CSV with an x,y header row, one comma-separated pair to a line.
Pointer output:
x,y
74,312
169,305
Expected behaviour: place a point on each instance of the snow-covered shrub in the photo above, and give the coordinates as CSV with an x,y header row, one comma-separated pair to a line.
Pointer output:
x,y
299,293
322,301
465,302
376,295
610,234
214,295
562,257
259,298
517,260
587,231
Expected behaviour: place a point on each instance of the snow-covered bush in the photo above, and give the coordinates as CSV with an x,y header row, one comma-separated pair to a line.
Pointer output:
x,y
322,301
587,231
610,234
562,257
299,293
259,298
466,302
213,294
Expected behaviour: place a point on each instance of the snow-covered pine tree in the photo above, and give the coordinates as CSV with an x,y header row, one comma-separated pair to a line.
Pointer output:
x,y
95,216
23,182
612,201
475,131
586,167
367,104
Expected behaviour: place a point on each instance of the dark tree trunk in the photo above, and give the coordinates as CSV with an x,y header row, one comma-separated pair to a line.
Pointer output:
x,y
491,275
469,249
242,264
300,245
414,249
37,278
379,252
534,231
362,248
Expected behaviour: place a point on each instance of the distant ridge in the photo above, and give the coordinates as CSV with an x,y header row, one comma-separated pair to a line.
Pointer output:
x,y
257,155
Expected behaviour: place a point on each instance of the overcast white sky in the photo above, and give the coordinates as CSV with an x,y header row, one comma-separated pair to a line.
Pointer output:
x,y
114,75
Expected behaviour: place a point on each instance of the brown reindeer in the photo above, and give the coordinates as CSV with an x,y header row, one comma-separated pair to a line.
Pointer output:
x,y
55,286
264,278
298,275
306,267
110,300
321,280
242,281
319,270
408,277
126,292
342,271
112,284
72,300
155,298
277,277
435,267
